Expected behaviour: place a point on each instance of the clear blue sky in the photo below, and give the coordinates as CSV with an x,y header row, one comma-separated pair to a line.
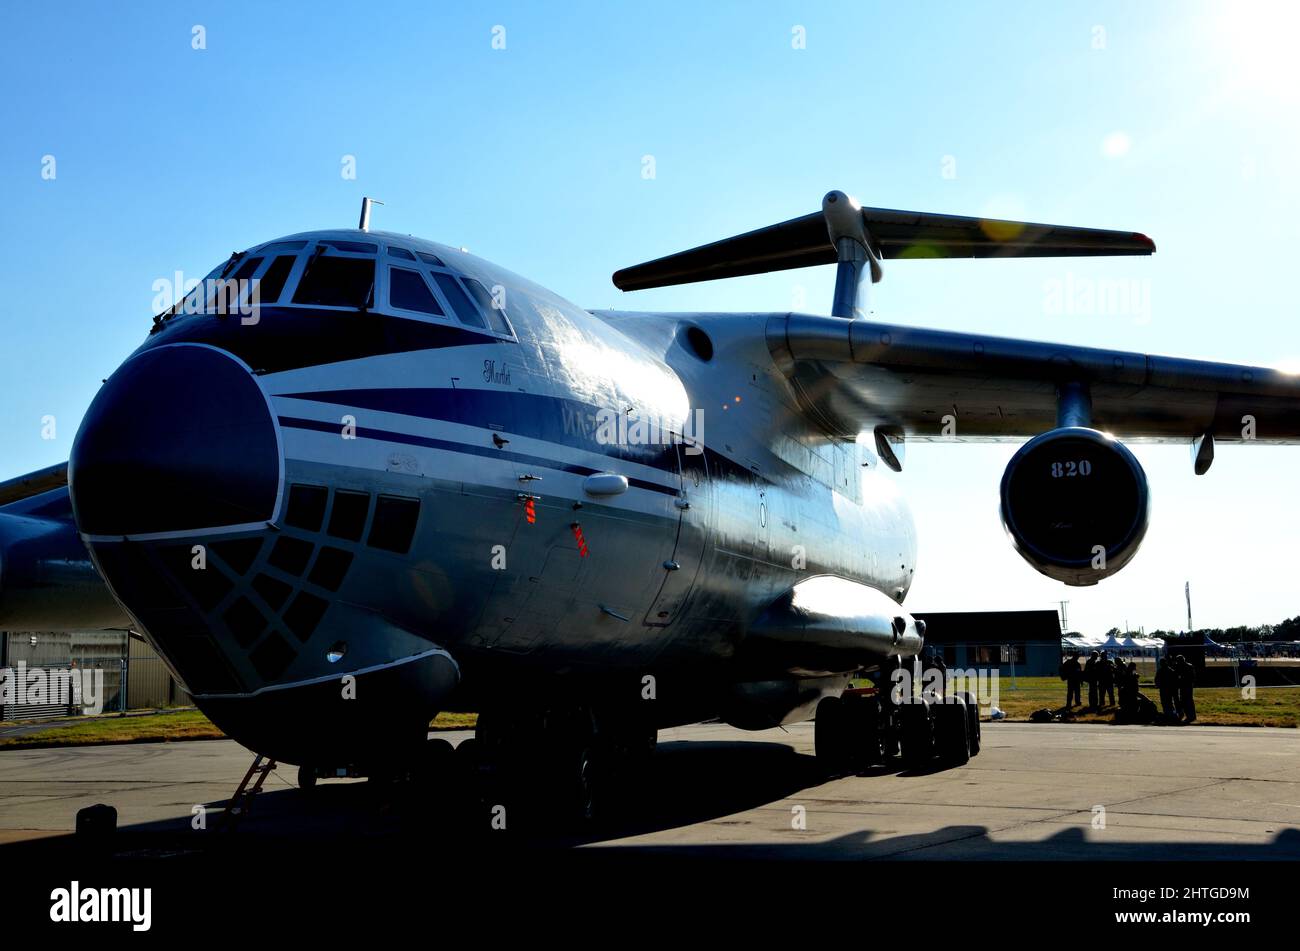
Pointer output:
x,y
1176,119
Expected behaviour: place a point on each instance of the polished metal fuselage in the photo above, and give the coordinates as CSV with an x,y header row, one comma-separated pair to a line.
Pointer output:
x,y
770,501
522,571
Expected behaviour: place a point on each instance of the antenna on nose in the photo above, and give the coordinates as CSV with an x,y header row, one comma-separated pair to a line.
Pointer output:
x,y
364,225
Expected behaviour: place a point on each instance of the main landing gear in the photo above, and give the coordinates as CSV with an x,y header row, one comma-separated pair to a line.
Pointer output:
x,y
561,767
856,731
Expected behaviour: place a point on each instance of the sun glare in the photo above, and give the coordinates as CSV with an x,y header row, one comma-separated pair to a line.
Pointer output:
x,y
1259,42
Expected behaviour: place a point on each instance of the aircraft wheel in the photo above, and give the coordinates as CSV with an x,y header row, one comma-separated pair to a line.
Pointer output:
x,y
306,778
589,786
951,730
830,734
862,716
972,723
466,757
436,762
916,731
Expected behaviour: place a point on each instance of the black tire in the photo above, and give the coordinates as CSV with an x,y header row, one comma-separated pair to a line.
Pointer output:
x,y
436,762
306,778
829,733
916,732
862,724
467,757
972,724
952,732
586,800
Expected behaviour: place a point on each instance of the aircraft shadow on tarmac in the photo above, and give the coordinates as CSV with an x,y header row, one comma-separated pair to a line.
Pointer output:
x,y
687,782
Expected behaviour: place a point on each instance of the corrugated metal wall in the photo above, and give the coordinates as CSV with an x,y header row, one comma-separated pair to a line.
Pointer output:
x,y
148,681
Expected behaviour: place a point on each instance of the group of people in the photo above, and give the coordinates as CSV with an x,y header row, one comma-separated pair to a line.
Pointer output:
x,y
1175,679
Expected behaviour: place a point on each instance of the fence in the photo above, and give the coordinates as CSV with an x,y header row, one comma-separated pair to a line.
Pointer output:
x,y
134,676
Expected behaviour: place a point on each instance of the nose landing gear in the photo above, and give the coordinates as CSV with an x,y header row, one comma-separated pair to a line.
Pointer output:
x,y
568,767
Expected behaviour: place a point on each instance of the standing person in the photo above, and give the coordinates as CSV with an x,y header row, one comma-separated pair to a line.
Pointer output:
x,y
1127,697
934,661
1105,681
1167,682
1090,675
1072,674
1186,687
1129,690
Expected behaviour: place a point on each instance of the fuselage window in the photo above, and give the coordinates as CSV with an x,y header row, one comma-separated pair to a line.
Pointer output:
x,y
459,300
407,291
428,258
272,282
402,253
496,316
337,282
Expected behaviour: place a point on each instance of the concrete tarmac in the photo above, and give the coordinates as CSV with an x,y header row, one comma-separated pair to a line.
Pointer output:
x,y
1036,792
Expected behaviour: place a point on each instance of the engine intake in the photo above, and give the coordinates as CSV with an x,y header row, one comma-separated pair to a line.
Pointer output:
x,y
1075,503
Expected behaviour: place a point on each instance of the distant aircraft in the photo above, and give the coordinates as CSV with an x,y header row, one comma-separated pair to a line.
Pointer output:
x,y
401,480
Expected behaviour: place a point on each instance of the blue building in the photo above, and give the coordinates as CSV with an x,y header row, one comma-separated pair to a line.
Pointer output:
x,y
997,639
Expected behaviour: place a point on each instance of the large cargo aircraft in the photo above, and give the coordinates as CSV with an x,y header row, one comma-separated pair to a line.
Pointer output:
x,y
400,480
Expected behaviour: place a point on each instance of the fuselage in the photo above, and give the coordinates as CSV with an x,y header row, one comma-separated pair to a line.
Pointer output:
x,y
404,464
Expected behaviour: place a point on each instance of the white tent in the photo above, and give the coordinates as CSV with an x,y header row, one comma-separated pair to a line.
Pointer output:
x,y
1091,642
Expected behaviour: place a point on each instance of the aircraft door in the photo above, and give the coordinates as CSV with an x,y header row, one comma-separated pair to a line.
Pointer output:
x,y
692,505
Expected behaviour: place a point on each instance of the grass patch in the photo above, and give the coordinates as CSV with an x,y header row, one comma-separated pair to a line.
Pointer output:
x,y
153,728
160,728
1215,706
454,721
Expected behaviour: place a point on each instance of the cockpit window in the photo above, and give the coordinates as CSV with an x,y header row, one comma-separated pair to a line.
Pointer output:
x,y
401,253
283,247
224,294
428,258
247,269
465,310
353,247
273,281
496,316
337,281
407,290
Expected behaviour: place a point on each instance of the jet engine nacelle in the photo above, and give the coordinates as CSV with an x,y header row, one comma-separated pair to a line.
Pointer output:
x,y
1075,503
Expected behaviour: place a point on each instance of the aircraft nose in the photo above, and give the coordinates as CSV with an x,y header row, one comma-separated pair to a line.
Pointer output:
x,y
181,438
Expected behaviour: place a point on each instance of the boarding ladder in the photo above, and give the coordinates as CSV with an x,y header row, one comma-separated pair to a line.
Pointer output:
x,y
241,803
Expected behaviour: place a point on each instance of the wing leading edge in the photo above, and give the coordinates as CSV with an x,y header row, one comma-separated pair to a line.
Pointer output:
x,y
853,375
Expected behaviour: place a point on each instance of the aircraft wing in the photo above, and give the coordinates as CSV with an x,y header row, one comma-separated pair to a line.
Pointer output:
x,y
932,385
47,580
33,483
851,375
